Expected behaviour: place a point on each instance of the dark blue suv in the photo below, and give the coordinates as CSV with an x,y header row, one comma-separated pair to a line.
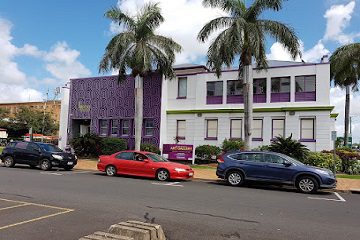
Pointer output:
x,y
237,167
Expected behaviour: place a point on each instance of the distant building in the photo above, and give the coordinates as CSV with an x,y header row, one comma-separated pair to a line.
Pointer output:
x,y
3,133
52,107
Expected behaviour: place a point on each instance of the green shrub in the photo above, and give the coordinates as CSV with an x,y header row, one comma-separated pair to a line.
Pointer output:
x,y
207,152
229,145
113,145
148,147
262,148
323,160
89,145
349,160
289,147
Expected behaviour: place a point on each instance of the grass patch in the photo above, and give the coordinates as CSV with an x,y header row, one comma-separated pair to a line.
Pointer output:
x,y
348,176
202,167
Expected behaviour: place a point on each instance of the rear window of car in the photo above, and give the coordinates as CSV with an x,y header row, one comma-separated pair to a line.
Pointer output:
x,y
22,145
125,156
11,145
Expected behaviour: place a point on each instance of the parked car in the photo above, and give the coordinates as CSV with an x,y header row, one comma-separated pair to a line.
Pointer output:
x,y
37,154
143,164
238,167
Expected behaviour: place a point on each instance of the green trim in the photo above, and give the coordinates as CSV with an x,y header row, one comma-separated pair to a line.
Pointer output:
x,y
334,115
283,109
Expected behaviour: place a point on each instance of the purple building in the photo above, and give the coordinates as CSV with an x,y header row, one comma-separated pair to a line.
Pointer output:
x,y
105,107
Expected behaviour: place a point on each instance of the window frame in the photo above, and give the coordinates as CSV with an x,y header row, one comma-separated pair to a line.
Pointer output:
x,y
177,130
207,129
262,130
258,85
281,78
112,127
313,130
304,79
272,127
101,128
145,128
231,128
234,81
178,92
214,82
128,127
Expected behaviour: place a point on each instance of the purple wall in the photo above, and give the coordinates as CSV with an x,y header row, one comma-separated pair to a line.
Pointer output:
x,y
234,99
214,99
305,96
103,98
280,97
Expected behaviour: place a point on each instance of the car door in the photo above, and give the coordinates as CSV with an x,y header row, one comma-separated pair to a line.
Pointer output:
x,y
33,154
20,152
123,162
141,165
277,169
251,163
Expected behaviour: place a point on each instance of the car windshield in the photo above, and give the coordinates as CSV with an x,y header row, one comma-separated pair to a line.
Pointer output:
x,y
50,148
291,159
156,158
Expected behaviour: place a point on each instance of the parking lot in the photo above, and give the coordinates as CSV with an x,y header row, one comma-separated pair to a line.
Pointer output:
x,y
69,204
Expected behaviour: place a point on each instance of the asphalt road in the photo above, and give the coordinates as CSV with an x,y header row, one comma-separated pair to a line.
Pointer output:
x,y
67,205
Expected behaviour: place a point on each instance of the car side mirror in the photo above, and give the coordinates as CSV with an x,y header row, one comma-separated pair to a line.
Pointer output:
x,y
287,164
146,160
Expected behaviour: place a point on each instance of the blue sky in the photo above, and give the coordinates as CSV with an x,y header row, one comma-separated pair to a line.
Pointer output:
x,y
44,43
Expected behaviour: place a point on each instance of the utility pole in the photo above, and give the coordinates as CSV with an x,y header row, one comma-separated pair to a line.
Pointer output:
x,y
43,121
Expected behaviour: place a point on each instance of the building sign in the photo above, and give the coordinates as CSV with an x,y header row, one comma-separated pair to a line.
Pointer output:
x,y
84,107
178,151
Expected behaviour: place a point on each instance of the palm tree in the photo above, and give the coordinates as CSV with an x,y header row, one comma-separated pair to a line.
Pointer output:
x,y
137,49
345,70
244,40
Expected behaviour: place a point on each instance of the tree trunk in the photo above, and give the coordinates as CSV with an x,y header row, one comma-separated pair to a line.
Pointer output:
x,y
347,115
248,104
139,92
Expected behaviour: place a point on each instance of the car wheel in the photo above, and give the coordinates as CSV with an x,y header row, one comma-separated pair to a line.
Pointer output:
x,y
162,175
235,178
45,165
307,184
9,161
110,171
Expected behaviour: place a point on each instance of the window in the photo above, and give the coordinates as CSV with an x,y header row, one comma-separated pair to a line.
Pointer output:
x,y
252,157
33,147
180,129
22,145
182,87
278,128
149,127
305,88
307,127
104,127
280,85
235,128
125,156
234,88
214,88
259,85
280,89
125,127
114,127
257,129
211,129
270,158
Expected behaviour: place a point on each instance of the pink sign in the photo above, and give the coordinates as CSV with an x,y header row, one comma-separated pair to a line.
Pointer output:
x,y
178,151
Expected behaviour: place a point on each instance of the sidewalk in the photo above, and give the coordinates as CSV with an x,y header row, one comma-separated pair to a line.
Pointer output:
x,y
343,184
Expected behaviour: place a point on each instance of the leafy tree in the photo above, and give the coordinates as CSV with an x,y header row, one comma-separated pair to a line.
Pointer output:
x,y
289,147
345,71
243,40
139,50
4,113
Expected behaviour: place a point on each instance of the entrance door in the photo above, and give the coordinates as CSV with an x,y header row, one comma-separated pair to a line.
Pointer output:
x,y
84,129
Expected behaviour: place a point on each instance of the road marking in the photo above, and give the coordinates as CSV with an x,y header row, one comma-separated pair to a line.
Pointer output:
x,y
35,219
16,206
21,204
339,198
173,184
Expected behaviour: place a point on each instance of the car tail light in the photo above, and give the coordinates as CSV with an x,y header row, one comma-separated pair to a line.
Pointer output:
x,y
220,159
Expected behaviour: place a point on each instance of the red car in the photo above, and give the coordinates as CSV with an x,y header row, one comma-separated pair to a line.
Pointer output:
x,y
143,164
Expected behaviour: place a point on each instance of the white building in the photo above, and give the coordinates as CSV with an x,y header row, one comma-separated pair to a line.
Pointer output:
x,y
289,98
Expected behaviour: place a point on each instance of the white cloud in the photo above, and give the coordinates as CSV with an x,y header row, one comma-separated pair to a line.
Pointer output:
x,y
18,93
183,21
338,18
63,63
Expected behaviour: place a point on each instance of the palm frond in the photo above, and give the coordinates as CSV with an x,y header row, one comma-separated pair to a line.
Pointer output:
x,y
259,6
213,25
116,15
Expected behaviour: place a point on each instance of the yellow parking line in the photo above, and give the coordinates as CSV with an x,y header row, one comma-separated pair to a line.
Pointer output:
x,y
16,206
35,204
35,219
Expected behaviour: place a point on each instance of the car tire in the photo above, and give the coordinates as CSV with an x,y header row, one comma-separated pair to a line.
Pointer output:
x,y
162,175
235,178
45,165
68,168
307,184
110,171
9,162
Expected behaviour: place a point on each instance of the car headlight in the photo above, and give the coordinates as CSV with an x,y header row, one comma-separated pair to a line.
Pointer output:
x,y
58,157
324,172
180,170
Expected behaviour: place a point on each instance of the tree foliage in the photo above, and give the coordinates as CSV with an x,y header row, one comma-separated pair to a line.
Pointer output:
x,y
289,147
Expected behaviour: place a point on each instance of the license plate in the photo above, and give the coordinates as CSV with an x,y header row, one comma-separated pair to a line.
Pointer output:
x,y
70,163
190,174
